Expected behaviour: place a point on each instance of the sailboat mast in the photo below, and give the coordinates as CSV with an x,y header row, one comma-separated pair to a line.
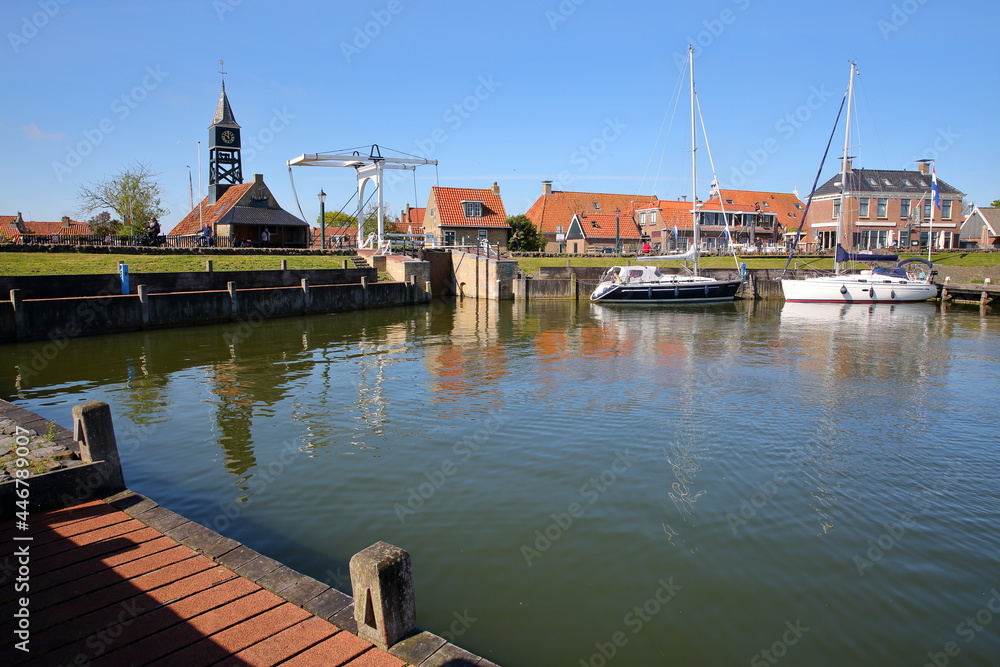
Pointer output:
x,y
694,166
843,168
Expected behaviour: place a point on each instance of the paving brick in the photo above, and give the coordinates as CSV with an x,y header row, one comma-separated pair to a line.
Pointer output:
x,y
337,650
303,590
283,645
328,603
57,577
104,607
418,647
235,638
109,585
450,655
192,629
101,549
258,568
237,557
161,518
375,658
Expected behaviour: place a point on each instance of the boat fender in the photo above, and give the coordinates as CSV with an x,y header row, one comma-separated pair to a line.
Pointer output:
x,y
843,289
893,294
871,292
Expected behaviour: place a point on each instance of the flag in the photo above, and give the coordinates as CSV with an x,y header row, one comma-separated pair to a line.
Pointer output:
x,y
675,233
934,188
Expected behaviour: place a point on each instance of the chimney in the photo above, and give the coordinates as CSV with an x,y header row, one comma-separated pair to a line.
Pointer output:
x,y
496,188
847,165
65,222
406,213
19,223
546,188
924,167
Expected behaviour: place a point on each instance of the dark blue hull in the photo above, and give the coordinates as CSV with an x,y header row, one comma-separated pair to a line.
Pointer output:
x,y
719,290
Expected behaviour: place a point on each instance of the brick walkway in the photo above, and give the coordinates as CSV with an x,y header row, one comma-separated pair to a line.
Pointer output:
x,y
114,587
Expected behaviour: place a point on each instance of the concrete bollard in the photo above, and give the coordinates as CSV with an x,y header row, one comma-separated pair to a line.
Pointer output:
x,y
427,290
231,288
17,303
306,295
382,583
94,430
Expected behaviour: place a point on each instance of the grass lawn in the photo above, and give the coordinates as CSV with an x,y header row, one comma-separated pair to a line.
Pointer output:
x,y
34,263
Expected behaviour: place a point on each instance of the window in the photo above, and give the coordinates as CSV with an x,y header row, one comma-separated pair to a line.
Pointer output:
x,y
482,235
836,208
904,208
863,207
946,209
642,219
473,209
872,182
882,209
798,206
927,209
449,238
729,201
886,181
907,183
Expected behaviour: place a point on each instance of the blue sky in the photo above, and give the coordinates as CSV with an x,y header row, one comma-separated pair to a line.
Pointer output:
x,y
580,92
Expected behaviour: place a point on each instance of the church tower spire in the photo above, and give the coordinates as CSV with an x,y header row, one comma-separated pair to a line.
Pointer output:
x,y
225,165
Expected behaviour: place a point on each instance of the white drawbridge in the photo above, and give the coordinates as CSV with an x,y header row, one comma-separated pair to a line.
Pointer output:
x,y
368,168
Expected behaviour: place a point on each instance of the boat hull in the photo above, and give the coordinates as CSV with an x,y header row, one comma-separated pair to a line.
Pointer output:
x,y
849,289
670,292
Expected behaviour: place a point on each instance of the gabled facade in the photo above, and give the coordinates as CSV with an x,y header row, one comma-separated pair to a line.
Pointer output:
x,y
466,216
659,219
884,209
589,230
553,212
982,228
247,214
755,218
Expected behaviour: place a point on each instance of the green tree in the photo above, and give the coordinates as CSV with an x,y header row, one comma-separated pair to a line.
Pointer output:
x,y
338,219
995,204
524,236
102,224
132,193
389,222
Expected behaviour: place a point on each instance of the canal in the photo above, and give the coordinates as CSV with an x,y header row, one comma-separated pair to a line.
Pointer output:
x,y
746,483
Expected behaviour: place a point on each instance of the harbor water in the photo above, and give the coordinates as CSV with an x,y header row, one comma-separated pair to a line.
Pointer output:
x,y
749,483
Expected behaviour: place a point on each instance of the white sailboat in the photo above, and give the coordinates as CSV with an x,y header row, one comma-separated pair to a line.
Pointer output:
x,y
646,284
877,285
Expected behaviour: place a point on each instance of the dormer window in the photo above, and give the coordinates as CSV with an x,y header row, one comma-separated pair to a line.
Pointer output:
x,y
907,183
798,206
872,182
887,182
766,205
473,209
729,201
597,207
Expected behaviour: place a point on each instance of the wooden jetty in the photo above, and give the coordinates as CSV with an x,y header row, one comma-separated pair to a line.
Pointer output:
x,y
970,293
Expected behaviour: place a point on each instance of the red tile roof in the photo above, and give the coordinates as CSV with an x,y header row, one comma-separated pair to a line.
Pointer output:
x,y
210,214
670,213
786,206
414,217
448,202
9,231
602,226
558,208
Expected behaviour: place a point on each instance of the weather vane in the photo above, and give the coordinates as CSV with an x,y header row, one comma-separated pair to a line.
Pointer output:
x,y
222,71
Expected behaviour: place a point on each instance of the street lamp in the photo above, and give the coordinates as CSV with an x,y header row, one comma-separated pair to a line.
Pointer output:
x,y
322,219
618,241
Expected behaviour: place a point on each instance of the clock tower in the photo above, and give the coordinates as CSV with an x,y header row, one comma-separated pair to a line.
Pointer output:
x,y
225,167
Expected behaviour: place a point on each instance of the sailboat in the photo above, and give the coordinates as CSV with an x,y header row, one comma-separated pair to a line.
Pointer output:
x,y
881,284
646,284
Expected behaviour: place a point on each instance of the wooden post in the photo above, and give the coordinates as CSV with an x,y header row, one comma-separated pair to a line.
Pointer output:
x,y
208,265
144,303
231,288
382,583
284,265
17,303
306,295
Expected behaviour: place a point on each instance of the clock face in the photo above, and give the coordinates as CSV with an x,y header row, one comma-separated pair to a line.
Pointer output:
x,y
228,137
